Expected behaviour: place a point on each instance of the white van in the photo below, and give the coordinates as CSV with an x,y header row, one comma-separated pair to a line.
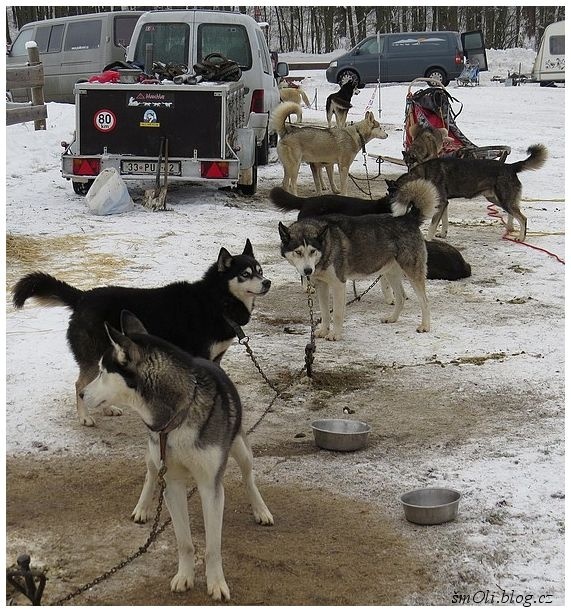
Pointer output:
x,y
188,36
73,49
549,65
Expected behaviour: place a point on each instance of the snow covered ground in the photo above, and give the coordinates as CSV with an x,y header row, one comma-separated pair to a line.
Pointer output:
x,y
509,463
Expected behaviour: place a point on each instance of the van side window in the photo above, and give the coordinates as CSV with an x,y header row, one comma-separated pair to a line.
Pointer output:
x,y
49,38
557,45
169,40
418,44
83,35
230,40
123,27
369,47
19,45
266,62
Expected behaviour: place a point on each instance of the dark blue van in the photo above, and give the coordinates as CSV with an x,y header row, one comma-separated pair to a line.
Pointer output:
x,y
406,56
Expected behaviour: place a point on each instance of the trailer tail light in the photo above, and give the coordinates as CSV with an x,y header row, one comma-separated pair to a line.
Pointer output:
x,y
257,104
214,169
86,167
459,59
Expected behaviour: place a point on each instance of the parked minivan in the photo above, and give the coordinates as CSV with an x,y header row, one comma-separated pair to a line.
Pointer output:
x,y
73,48
549,65
406,56
188,36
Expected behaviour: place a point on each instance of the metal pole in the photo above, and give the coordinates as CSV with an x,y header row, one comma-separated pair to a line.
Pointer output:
x,y
379,70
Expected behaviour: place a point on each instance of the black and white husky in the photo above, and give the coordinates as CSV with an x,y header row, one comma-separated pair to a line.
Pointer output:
x,y
199,317
195,404
331,249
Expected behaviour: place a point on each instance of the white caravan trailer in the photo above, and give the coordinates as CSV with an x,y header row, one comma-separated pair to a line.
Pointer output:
x,y
549,65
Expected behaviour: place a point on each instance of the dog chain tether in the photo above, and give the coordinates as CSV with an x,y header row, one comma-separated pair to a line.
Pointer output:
x,y
310,346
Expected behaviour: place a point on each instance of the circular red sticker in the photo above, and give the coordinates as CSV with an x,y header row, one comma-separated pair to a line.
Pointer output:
x,y
105,120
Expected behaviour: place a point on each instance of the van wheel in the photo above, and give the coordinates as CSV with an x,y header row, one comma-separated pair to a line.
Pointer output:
x,y
438,75
348,74
81,188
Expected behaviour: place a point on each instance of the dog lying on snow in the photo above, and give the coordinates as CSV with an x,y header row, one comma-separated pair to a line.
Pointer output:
x,y
444,261
193,403
466,178
198,317
332,249
321,146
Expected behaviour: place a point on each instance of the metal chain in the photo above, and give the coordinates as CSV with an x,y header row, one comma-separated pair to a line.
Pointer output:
x,y
155,532
310,346
357,298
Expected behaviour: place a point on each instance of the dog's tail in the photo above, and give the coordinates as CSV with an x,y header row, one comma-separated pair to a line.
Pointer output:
x,y
418,198
284,200
304,98
49,291
281,113
537,157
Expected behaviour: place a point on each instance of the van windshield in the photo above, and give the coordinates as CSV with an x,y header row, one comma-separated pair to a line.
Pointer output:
x,y
169,40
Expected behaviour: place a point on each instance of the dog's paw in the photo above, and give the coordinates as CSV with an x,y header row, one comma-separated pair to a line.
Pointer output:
x,y
423,328
141,514
112,411
182,582
87,421
389,320
263,516
333,336
322,332
217,588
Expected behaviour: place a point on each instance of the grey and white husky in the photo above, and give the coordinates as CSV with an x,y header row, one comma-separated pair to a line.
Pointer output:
x,y
195,403
332,249
198,317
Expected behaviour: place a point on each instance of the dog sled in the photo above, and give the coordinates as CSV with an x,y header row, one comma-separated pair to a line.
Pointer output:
x,y
432,107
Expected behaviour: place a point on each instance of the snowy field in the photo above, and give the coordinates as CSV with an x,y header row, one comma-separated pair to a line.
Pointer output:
x,y
477,404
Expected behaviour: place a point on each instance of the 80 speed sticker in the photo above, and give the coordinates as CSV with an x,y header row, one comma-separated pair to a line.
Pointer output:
x,y
105,120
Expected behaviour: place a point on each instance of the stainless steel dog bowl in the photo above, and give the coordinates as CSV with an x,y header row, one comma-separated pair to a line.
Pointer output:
x,y
340,434
430,506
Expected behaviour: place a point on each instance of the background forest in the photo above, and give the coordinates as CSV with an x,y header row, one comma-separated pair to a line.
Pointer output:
x,y
323,29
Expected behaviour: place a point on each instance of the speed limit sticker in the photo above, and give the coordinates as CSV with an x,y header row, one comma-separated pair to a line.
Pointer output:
x,y
105,120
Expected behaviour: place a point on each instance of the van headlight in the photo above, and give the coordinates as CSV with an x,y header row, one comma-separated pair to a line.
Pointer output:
x,y
333,64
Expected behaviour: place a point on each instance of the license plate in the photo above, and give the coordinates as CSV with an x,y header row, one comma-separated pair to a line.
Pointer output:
x,y
143,167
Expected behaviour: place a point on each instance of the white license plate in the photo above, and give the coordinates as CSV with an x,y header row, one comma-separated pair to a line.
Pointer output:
x,y
143,167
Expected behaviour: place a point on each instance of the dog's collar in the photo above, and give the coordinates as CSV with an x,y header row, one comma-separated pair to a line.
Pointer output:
x,y
363,143
174,422
237,329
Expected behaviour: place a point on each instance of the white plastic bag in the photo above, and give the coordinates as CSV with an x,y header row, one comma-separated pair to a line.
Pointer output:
x,y
109,195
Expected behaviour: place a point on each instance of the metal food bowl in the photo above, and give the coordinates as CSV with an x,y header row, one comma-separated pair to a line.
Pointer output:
x,y
340,434
430,506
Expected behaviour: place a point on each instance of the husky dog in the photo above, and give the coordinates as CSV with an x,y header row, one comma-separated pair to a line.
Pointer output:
x,y
427,143
289,93
339,102
318,145
466,178
192,403
444,261
332,249
199,317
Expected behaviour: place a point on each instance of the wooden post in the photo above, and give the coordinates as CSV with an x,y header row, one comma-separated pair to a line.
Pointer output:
x,y
37,92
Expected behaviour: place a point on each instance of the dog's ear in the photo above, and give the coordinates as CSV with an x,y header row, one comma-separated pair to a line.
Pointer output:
x,y
248,250
284,233
122,345
224,260
130,324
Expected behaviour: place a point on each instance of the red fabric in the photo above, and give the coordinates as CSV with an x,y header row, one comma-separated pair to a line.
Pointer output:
x,y
108,76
